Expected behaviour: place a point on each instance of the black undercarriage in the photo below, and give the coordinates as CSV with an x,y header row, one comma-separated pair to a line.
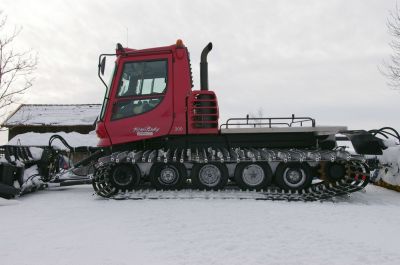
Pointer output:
x,y
269,140
363,142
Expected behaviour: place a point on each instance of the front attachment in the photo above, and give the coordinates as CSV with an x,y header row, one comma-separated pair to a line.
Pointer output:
x,y
8,175
364,142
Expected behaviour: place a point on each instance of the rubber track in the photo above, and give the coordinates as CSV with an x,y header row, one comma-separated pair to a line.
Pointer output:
x,y
318,192
355,180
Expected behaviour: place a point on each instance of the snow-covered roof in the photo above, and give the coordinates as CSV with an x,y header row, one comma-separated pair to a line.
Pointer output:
x,y
55,115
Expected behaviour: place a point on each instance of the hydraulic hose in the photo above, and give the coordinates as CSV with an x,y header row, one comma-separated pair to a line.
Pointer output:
x,y
385,131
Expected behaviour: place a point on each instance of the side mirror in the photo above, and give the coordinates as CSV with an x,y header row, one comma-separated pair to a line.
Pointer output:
x,y
95,122
102,65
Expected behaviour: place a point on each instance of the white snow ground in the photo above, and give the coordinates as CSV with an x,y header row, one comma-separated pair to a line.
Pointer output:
x,y
71,226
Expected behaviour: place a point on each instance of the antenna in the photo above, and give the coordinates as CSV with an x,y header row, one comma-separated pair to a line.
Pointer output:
x,y
127,37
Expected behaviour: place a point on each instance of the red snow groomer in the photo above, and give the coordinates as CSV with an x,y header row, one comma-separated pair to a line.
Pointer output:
x,y
156,133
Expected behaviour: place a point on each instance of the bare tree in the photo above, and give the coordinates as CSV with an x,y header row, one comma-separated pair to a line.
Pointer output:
x,y
391,67
257,117
16,68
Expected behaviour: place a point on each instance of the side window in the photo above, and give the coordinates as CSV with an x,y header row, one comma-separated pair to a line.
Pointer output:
x,y
129,108
141,88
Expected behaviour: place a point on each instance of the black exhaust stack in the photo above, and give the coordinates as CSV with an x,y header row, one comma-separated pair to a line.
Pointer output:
x,y
204,67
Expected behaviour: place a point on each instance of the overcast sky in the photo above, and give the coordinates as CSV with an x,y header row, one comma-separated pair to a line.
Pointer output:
x,y
311,58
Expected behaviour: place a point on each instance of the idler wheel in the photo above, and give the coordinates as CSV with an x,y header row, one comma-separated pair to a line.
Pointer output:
x,y
335,171
101,183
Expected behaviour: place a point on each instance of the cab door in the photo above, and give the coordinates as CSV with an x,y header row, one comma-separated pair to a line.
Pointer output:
x,y
141,99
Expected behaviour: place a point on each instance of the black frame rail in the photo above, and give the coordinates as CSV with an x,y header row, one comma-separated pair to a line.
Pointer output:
x,y
270,122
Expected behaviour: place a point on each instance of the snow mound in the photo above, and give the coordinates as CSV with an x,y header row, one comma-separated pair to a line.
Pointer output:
x,y
42,139
36,152
390,161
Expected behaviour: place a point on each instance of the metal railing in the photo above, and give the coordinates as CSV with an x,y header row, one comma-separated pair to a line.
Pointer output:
x,y
268,122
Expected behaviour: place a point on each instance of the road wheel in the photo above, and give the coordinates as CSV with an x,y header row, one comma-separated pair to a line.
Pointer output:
x,y
253,176
168,176
125,177
293,176
211,176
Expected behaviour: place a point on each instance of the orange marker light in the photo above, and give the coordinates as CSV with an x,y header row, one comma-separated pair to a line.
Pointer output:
x,y
179,43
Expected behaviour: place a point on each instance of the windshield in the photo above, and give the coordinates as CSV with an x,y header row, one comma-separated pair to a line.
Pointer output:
x,y
103,108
